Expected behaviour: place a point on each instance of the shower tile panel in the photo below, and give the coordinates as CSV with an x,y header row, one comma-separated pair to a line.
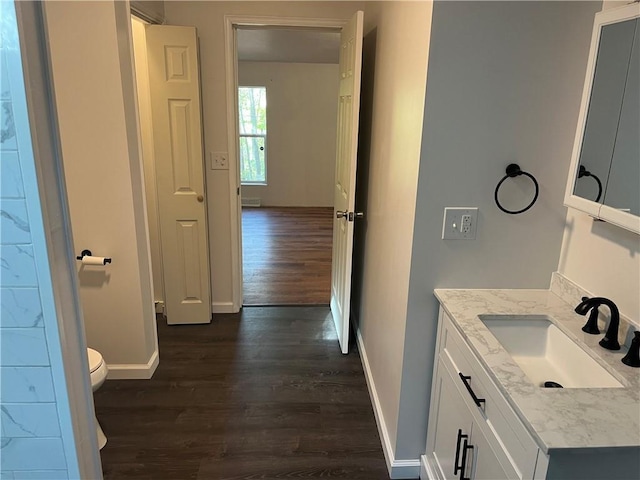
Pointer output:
x,y
30,420
26,384
23,347
10,176
41,475
14,222
20,308
32,454
18,268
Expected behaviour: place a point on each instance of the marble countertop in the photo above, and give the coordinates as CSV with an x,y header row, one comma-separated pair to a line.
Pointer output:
x,y
568,418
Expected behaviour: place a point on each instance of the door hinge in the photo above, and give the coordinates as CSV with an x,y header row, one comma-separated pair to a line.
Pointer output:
x,y
238,191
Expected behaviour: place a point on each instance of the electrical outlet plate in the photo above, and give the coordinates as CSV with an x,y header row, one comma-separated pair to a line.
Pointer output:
x,y
219,160
459,223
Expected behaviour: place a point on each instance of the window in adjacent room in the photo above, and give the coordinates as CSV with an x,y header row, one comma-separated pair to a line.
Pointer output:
x,y
252,113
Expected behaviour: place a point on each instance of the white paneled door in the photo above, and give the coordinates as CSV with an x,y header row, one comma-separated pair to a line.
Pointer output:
x,y
177,132
345,179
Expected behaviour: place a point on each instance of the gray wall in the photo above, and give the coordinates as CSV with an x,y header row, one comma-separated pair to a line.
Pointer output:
x,y
504,85
396,46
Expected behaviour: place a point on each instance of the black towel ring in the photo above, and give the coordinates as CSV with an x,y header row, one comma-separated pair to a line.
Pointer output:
x,y
583,172
513,170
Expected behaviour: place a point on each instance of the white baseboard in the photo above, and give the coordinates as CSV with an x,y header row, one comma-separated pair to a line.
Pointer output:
x,y
251,201
425,470
159,306
398,469
222,307
405,469
134,371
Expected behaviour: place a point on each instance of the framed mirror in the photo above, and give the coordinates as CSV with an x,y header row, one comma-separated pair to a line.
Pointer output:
x,y
604,178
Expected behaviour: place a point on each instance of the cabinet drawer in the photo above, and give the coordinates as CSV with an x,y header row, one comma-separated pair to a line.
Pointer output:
x,y
492,408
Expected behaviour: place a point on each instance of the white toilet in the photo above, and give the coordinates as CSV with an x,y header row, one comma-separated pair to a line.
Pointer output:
x,y
98,371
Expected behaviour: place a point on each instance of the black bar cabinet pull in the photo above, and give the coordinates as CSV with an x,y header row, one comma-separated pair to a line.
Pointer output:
x,y
476,400
464,460
456,467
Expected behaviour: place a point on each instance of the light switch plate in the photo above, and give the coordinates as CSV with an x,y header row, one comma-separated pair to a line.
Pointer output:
x,y
219,160
459,223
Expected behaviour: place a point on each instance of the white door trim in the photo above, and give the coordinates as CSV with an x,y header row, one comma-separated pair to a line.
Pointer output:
x,y
231,22
67,346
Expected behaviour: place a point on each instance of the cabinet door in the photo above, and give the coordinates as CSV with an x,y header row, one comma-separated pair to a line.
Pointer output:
x,y
482,463
452,416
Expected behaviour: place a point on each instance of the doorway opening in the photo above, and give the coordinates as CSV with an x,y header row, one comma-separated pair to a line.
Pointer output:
x,y
346,141
287,90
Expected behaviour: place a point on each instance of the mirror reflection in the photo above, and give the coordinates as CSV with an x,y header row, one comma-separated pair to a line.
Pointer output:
x,y
609,166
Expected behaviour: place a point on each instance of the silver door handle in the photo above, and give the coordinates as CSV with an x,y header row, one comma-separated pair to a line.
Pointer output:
x,y
349,215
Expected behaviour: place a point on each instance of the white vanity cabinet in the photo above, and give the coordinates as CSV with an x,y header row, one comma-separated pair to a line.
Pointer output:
x,y
512,428
473,433
459,447
453,420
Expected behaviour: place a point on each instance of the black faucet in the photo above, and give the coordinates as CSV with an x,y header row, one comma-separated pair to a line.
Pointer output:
x,y
591,326
632,358
610,340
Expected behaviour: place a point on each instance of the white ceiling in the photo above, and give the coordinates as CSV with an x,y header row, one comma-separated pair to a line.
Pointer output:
x,y
288,45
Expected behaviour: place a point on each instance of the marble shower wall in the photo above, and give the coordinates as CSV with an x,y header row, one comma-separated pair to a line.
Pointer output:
x,y
31,444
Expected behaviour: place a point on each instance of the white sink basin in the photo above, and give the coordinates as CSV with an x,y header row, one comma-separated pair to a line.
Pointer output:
x,y
545,353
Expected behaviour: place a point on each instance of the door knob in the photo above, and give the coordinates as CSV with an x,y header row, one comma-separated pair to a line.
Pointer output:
x,y
200,198
340,214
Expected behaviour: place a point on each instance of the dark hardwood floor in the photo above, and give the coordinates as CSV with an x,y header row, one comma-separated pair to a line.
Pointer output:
x,y
287,255
264,394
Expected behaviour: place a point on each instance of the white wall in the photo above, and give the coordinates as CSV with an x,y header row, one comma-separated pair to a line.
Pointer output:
x,y
603,258
208,18
302,110
148,159
396,48
504,85
94,95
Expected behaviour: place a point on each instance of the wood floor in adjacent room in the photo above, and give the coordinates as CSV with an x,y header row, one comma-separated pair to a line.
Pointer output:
x,y
287,255
264,394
